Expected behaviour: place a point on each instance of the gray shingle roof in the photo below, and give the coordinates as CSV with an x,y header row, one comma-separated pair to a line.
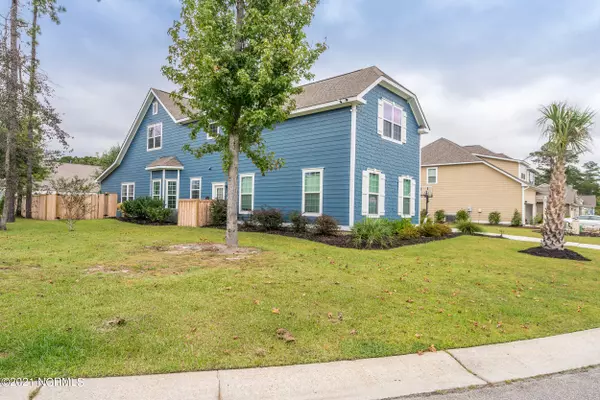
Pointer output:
x,y
170,161
325,91
477,149
444,151
589,200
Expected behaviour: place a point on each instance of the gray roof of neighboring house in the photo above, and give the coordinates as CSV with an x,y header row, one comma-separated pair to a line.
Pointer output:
x,y
444,151
570,193
325,91
477,149
589,200
69,171
170,161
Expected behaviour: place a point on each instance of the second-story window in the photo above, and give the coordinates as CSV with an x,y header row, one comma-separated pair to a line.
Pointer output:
x,y
155,108
155,137
213,132
392,121
432,176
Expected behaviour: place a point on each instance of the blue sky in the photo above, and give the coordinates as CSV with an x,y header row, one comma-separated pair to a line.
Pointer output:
x,y
481,68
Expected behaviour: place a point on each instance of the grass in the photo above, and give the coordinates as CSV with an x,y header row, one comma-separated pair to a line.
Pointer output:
x,y
185,312
531,232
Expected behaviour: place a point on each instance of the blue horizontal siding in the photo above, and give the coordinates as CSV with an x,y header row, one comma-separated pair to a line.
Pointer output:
x,y
312,141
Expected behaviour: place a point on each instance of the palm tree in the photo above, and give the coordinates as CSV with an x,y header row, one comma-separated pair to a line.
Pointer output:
x,y
567,129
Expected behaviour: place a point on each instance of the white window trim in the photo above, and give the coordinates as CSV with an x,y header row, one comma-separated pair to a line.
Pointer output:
x,y
155,107
403,122
304,172
208,135
240,193
132,184
160,192
412,197
176,193
148,136
436,176
380,195
214,189
197,178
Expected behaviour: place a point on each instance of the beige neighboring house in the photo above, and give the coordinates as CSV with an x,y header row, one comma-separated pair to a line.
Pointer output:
x,y
68,171
478,180
576,205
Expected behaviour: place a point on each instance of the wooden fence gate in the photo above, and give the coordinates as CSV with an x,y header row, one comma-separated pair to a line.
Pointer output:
x,y
194,213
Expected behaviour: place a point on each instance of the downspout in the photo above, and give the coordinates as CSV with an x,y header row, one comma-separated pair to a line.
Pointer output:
x,y
352,164
523,208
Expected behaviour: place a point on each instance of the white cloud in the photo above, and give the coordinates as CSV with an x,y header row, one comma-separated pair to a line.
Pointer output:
x,y
504,118
476,5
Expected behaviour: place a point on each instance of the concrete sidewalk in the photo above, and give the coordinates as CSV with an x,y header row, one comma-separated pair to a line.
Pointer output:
x,y
373,379
538,241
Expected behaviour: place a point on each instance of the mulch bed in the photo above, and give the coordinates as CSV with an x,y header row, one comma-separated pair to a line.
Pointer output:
x,y
344,240
141,222
565,254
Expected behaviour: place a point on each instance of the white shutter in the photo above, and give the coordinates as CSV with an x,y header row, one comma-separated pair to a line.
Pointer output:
x,y
400,194
413,197
403,133
365,193
380,118
381,194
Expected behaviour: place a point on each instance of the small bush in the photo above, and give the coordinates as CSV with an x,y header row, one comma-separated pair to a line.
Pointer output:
x,y
516,219
424,214
218,212
371,232
146,209
409,232
326,225
299,222
399,225
269,219
444,229
440,216
494,218
462,215
468,227
429,229
538,220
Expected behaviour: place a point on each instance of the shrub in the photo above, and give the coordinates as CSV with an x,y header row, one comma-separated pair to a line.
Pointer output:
x,y
218,212
462,215
538,220
146,209
399,225
424,214
468,227
371,232
444,229
270,219
440,216
429,229
409,232
299,222
494,218
516,219
326,225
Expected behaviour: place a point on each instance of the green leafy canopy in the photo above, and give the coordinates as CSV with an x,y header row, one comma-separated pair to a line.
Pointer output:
x,y
240,75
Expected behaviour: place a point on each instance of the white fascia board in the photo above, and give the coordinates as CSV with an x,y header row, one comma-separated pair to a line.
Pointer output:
x,y
129,138
327,106
410,97
459,163
163,106
165,167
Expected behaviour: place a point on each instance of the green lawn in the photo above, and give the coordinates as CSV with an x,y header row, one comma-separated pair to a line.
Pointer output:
x,y
196,312
531,232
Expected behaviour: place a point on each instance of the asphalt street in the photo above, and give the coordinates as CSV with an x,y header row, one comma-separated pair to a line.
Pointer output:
x,y
578,385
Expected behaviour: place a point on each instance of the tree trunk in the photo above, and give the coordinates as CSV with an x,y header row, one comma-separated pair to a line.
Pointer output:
x,y
553,234
232,192
31,106
8,214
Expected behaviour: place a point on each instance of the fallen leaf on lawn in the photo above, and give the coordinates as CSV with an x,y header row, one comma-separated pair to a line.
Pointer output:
x,y
257,302
329,315
420,353
499,325
418,335
284,334
410,300
340,316
260,352
432,349
236,337
353,332
275,311
426,279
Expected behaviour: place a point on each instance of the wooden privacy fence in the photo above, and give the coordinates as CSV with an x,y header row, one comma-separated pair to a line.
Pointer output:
x,y
194,213
49,207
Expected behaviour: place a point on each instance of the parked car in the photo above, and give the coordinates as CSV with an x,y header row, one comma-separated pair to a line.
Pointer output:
x,y
586,221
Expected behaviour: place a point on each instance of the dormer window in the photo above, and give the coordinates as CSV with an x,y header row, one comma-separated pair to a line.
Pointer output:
x,y
155,108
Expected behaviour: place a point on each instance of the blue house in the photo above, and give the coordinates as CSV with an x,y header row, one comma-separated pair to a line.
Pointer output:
x,y
351,150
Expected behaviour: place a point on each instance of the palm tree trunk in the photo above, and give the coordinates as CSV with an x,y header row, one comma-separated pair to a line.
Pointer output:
x,y
553,232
